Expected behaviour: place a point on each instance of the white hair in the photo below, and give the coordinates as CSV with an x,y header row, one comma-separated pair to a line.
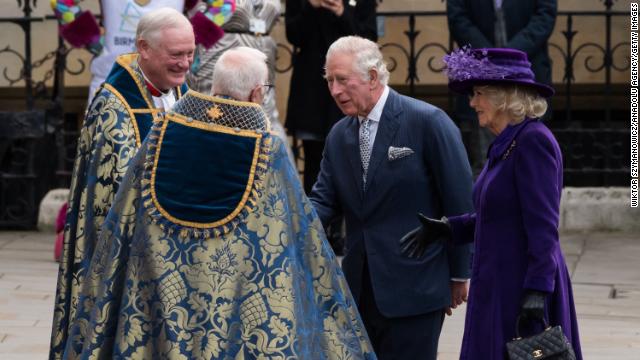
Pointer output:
x,y
366,54
516,101
152,23
238,71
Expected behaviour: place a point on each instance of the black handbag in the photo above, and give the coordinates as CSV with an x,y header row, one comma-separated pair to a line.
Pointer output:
x,y
549,344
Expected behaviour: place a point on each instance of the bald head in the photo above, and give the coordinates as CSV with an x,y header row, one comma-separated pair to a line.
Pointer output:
x,y
240,71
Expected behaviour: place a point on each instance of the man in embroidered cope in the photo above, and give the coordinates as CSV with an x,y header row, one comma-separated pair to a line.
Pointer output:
x,y
139,86
389,159
224,257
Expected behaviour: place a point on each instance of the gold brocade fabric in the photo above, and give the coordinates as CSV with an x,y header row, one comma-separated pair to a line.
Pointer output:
x,y
109,139
263,283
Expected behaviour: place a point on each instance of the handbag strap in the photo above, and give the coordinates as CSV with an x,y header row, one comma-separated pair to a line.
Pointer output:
x,y
520,319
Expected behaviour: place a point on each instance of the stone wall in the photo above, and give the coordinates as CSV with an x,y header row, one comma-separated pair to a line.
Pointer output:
x,y
598,209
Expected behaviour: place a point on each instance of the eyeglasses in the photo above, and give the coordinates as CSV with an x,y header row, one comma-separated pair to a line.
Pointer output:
x,y
267,87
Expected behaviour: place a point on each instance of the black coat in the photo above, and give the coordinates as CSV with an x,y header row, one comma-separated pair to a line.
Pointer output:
x,y
311,109
529,24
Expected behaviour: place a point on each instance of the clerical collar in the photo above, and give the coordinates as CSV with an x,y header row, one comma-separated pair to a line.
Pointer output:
x,y
152,88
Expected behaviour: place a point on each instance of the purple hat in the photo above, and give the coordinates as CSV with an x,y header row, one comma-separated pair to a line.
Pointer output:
x,y
468,67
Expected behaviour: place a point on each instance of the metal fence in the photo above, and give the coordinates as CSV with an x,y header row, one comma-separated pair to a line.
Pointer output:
x,y
595,141
37,145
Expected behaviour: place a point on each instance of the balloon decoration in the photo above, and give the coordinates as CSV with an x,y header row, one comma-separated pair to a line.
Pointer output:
x,y
207,23
79,28
219,11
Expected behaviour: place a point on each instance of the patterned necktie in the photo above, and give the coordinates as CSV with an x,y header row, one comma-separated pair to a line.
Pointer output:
x,y
365,149
499,27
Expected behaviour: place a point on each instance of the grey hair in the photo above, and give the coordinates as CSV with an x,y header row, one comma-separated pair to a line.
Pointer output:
x,y
516,101
238,71
366,53
152,23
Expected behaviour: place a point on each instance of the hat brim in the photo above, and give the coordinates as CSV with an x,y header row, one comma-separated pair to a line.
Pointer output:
x,y
466,86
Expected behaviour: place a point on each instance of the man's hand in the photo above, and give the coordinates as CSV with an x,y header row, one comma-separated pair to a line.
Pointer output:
x,y
335,6
459,293
416,241
532,306
315,3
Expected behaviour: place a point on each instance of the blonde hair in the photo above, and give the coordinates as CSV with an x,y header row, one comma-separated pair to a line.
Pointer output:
x,y
518,102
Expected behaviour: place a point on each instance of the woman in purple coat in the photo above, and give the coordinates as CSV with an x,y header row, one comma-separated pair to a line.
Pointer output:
x,y
518,266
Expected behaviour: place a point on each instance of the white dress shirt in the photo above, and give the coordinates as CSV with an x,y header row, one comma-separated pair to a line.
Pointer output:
x,y
375,115
165,101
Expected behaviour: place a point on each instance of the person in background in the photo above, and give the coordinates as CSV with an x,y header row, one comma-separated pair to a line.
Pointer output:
x,y
235,268
311,26
139,87
60,220
519,24
519,271
389,159
248,25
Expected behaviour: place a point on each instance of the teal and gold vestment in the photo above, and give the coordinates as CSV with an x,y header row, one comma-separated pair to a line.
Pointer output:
x,y
116,122
211,250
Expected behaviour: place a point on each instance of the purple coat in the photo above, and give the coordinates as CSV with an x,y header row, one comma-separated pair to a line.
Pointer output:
x,y
515,234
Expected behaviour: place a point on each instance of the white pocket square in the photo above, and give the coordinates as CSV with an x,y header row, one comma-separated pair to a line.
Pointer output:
x,y
396,153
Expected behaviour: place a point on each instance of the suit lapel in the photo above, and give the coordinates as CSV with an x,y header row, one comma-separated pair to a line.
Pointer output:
x,y
352,152
387,128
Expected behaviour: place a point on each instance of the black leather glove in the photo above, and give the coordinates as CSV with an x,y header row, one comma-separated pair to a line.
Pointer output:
x,y
416,241
532,307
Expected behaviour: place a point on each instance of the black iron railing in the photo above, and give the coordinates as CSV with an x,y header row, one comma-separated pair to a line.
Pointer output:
x,y
19,136
37,143
595,140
